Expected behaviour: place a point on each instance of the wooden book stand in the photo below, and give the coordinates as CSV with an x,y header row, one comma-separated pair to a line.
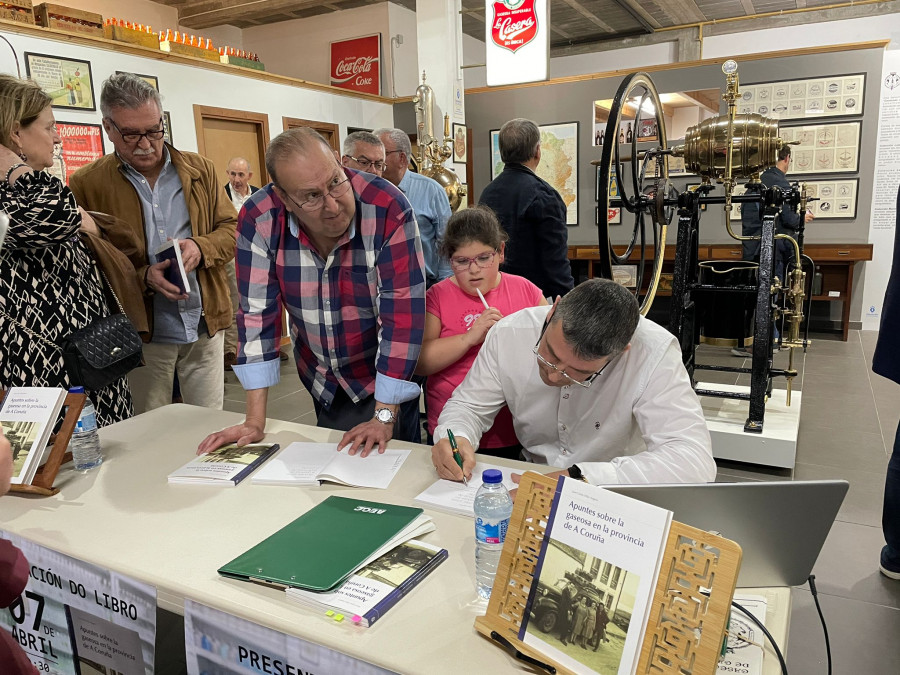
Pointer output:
x,y
42,485
690,608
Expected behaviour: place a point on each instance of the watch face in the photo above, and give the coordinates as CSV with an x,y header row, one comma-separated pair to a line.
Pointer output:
x,y
384,415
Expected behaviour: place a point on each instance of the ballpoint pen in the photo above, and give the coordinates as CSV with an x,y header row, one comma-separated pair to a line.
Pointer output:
x,y
456,455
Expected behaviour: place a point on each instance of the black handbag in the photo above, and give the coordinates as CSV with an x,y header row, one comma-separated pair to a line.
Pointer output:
x,y
101,352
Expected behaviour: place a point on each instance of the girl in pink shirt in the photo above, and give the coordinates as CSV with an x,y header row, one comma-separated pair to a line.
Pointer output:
x,y
456,321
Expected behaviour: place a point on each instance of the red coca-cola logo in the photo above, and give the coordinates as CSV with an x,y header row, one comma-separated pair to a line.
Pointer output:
x,y
514,24
349,67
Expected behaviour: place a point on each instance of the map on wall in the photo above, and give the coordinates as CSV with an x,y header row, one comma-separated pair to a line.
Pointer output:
x,y
559,162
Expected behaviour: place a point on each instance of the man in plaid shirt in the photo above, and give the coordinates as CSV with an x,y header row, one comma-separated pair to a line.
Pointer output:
x,y
339,250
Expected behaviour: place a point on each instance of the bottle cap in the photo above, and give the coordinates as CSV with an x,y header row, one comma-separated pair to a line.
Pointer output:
x,y
80,390
492,476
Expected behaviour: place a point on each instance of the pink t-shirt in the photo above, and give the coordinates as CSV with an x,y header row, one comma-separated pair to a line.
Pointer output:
x,y
458,311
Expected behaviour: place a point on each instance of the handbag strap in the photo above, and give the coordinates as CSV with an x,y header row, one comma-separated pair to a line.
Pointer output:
x,y
30,332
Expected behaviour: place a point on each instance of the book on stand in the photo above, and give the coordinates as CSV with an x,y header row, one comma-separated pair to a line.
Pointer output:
x,y
226,466
313,463
28,416
457,497
371,591
595,579
175,272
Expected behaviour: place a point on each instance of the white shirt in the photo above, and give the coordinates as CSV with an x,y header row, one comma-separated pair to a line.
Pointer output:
x,y
639,422
238,199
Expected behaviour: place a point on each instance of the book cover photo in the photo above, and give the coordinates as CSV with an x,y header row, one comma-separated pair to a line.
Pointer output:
x,y
595,577
175,273
228,465
28,415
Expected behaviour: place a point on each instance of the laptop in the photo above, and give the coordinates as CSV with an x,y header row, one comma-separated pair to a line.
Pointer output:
x,y
780,526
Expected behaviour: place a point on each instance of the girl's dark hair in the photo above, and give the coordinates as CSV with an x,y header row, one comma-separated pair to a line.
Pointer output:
x,y
477,223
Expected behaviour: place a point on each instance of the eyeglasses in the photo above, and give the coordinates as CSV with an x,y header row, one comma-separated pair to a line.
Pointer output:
x,y
390,152
365,162
315,199
460,264
154,135
584,384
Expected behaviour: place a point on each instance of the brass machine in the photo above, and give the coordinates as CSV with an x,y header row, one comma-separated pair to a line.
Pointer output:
x,y
725,149
432,153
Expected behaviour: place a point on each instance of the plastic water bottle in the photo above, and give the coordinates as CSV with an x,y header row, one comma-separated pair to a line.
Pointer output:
x,y
85,442
493,507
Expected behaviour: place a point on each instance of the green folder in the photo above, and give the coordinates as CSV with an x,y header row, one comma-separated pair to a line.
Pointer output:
x,y
323,546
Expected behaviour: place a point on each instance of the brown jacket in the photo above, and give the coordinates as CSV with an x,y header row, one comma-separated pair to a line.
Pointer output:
x,y
101,186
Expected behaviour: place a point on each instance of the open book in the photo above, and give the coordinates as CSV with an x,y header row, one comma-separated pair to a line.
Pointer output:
x,y
454,497
175,272
595,579
312,463
370,592
28,415
227,466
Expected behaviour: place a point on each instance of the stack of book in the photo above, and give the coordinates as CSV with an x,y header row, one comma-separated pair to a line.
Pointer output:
x,y
28,416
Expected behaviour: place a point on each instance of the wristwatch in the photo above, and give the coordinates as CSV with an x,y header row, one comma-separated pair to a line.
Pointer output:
x,y
385,416
575,472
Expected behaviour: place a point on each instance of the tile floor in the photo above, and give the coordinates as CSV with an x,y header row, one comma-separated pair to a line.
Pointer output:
x,y
847,427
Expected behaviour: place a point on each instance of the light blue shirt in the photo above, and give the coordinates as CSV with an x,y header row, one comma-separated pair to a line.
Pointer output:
x,y
166,217
432,209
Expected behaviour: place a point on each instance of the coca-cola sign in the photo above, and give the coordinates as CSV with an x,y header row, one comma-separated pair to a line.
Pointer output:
x,y
514,24
356,64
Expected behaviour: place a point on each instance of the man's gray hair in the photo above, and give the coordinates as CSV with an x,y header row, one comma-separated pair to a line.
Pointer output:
x,y
124,90
519,141
598,317
295,141
399,137
359,137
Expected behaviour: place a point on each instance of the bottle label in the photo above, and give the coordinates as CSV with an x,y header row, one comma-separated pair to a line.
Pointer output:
x,y
87,422
491,533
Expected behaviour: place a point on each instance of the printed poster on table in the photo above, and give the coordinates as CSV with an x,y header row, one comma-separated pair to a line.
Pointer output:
x,y
356,64
220,643
75,618
81,145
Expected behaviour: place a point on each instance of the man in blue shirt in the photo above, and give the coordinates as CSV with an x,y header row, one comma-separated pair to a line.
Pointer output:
x,y
428,199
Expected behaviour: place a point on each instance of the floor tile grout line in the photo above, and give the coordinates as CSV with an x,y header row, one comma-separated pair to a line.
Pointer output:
x,y
869,373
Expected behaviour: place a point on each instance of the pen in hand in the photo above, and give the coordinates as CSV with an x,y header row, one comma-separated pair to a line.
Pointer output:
x,y
457,456
483,301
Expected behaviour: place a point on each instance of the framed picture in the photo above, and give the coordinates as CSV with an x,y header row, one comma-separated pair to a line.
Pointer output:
x,y
167,125
613,191
613,216
836,198
460,145
152,80
829,96
67,81
824,148
81,145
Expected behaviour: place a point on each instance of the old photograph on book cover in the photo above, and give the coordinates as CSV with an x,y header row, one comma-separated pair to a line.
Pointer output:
x,y
595,577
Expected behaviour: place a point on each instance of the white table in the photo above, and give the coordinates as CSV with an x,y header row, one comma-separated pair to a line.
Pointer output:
x,y
126,517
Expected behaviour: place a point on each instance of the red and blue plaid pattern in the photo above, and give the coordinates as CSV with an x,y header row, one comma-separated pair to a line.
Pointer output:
x,y
357,313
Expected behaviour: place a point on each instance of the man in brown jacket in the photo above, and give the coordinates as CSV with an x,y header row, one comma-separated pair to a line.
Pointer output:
x,y
162,193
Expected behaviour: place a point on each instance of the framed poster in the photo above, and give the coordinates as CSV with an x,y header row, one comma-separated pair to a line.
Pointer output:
x,y
167,125
837,198
613,216
613,190
152,80
824,148
67,81
559,162
81,145
830,96
356,64
460,149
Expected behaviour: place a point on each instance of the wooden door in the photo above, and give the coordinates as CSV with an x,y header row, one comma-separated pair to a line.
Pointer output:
x,y
223,134
328,130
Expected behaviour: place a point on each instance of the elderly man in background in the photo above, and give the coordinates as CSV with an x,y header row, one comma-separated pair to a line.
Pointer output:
x,y
162,193
338,251
429,200
238,189
363,151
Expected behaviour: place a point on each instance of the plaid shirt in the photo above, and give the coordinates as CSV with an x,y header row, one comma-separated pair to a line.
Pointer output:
x,y
356,318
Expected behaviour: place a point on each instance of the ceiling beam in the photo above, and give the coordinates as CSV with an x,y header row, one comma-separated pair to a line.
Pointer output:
x,y
587,14
710,103
209,13
681,11
639,14
749,9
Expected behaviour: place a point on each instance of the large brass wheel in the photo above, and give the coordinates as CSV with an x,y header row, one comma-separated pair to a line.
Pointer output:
x,y
644,207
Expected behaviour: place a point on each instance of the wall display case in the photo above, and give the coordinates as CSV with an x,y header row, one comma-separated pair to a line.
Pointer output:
x,y
832,96
837,198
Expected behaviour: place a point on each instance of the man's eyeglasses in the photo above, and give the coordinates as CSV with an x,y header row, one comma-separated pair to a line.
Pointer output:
x,y
461,264
315,200
153,135
365,162
585,384
390,152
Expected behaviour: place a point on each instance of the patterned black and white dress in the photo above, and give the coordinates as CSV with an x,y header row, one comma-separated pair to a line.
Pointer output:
x,y
49,284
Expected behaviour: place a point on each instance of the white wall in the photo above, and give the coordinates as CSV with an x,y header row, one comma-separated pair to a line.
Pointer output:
x,y
181,86
406,59
139,11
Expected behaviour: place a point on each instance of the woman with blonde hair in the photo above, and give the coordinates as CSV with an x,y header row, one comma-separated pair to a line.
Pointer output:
x,y
49,284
